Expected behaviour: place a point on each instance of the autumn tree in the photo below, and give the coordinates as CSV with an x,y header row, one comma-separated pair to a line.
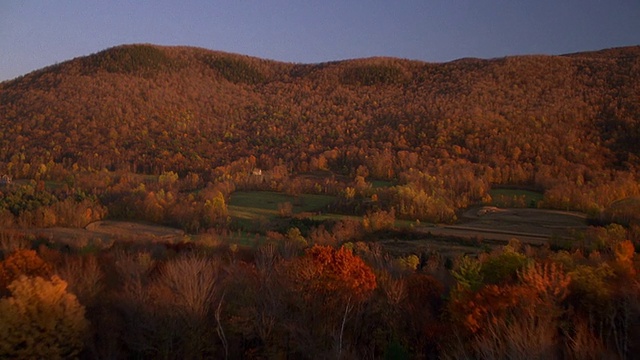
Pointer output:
x,y
515,321
22,262
40,319
328,279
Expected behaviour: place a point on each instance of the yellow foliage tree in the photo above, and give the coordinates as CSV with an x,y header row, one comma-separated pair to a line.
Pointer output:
x,y
41,320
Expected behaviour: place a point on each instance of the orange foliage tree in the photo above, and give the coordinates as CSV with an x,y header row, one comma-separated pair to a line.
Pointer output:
x,y
340,273
22,262
328,279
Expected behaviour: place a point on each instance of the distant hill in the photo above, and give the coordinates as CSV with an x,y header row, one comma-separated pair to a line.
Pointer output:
x,y
148,109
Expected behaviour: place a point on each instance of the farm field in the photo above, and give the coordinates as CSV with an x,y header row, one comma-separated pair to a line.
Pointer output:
x,y
539,222
507,197
251,211
485,228
478,229
102,233
248,208
129,229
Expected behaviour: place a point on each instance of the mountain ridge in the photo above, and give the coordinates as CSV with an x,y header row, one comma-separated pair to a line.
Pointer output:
x,y
608,53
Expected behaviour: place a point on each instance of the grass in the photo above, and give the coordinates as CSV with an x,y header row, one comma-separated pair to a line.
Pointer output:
x,y
266,202
249,209
53,185
243,238
376,184
447,248
514,197
336,217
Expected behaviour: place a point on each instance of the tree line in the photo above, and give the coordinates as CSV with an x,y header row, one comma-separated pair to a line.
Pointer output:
x,y
317,296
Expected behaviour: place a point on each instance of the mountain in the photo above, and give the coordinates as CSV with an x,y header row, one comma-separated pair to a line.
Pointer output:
x,y
529,120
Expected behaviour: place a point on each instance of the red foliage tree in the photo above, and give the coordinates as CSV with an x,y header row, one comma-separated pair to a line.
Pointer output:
x,y
328,279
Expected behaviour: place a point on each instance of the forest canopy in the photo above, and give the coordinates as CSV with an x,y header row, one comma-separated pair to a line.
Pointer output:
x,y
564,125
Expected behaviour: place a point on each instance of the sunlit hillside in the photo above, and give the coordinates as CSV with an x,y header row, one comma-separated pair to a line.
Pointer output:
x,y
179,203
540,121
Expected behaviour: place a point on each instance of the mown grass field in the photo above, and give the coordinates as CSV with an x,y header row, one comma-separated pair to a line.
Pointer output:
x,y
501,197
248,209
376,184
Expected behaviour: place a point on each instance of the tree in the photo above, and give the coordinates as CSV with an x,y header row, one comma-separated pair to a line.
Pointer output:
x,y
503,267
328,279
41,320
422,307
170,314
22,262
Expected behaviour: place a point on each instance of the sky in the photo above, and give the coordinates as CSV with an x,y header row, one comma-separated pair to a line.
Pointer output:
x,y
38,33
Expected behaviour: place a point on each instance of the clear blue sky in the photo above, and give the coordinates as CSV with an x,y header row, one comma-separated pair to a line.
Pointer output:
x,y
38,33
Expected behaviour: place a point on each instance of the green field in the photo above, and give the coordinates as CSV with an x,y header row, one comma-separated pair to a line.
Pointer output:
x,y
249,208
514,197
381,183
269,201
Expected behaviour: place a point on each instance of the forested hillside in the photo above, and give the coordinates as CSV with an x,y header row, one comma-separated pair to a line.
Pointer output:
x,y
306,207
568,125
